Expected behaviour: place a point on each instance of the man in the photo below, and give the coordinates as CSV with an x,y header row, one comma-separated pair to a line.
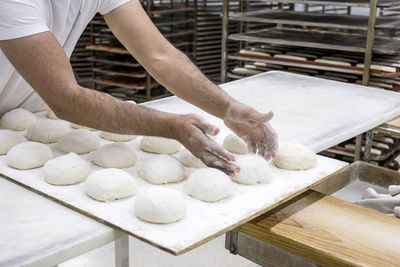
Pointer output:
x,y
38,36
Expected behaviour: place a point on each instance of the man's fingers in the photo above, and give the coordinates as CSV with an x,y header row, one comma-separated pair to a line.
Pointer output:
x,y
219,150
213,161
208,128
252,148
261,117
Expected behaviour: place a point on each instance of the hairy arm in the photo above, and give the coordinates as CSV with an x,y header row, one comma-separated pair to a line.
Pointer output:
x,y
43,64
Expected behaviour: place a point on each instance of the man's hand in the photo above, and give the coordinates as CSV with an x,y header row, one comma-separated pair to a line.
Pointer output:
x,y
253,127
192,133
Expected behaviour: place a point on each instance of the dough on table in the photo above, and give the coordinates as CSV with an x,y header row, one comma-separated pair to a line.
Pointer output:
x,y
9,139
159,145
18,119
66,170
235,144
115,155
51,115
116,137
28,155
189,160
253,169
295,157
209,184
80,141
160,205
47,131
162,169
110,184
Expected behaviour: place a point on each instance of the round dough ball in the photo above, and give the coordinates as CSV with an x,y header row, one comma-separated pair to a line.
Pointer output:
x,y
110,184
295,157
18,119
253,169
77,126
160,205
8,139
235,144
159,145
66,170
209,184
116,137
79,141
51,115
115,155
47,131
28,155
162,169
189,160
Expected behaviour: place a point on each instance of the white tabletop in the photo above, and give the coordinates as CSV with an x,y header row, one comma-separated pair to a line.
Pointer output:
x,y
36,231
312,111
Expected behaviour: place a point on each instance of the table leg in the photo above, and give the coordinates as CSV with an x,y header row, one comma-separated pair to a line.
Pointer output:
x,y
368,146
233,239
122,251
357,151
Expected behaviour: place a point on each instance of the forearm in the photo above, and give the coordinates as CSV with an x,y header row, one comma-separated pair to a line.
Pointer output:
x,y
103,112
177,73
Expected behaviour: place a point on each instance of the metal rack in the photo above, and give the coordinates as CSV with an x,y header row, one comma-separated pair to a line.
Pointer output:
x,y
117,73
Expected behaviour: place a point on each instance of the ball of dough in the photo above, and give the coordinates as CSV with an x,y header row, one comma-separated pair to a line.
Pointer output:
x,y
51,115
66,170
79,141
115,155
162,169
18,119
8,139
110,184
77,126
47,131
116,137
189,160
159,145
235,144
28,155
209,184
253,169
295,157
160,205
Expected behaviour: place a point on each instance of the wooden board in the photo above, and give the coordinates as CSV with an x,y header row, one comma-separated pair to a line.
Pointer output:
x,y
330,232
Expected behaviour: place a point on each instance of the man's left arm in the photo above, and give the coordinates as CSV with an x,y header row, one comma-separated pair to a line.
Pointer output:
x,y
177,73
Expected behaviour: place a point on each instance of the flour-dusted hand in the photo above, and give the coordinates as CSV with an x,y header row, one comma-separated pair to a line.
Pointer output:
x,y
253,127
192,133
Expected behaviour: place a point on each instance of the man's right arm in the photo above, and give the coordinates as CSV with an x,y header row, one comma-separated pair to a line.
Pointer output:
x,y
42,62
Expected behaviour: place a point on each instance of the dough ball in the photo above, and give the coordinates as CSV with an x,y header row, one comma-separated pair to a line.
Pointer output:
x,y
159,145
110,184
189,160
162,169
8,139
235,144
77,126
295,157
253,169
209,184
47,131
80,141
115,155
66,170
116,137
18,119
28,155
51,115
160,205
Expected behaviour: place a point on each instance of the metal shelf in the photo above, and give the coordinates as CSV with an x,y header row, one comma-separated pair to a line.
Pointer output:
x,y
319,39
314,19
348,3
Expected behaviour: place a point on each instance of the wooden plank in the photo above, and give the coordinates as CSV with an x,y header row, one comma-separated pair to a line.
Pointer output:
x,y
329,232
319,39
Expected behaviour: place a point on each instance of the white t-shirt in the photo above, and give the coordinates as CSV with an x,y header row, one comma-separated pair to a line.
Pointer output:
x,y
66,19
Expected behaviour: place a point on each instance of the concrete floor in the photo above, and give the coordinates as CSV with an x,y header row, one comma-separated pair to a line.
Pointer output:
x,y
141,254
